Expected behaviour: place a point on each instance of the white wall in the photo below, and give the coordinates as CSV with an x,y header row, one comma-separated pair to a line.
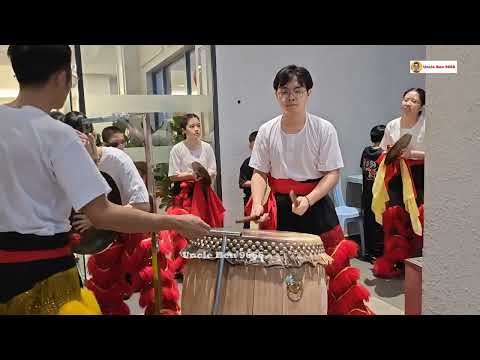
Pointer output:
x,y
8,84
451,270
355,87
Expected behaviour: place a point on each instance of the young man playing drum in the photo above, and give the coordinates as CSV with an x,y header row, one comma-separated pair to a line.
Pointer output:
x,y
299,152
46,169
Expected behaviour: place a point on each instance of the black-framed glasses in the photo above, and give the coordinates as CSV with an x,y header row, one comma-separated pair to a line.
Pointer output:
x,y
285,93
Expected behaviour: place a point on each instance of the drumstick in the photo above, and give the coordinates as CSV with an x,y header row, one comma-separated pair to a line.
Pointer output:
x,y
247,219
294,199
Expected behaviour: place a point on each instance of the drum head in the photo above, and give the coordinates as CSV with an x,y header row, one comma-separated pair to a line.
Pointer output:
x,y
281,236
260,247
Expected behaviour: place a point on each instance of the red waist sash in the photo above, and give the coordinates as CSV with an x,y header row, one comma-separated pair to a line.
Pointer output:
x,y
281,186
30,247
10,257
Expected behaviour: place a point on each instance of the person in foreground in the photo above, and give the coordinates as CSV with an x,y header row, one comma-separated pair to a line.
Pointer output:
x,y
46,170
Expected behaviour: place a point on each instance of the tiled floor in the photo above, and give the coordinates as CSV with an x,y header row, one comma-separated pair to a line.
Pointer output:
x,y
387,295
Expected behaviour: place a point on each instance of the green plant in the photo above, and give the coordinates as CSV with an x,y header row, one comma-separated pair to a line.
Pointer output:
x,y
163,185
175,126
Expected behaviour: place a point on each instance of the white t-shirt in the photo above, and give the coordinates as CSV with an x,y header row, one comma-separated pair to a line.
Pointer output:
x,y
306,155
181,158
121,168
393,132
44,169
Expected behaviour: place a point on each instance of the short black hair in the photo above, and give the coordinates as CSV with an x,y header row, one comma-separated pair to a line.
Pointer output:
x,y
108,132
78,121
291,72
57,115
35,64
376,134
252,136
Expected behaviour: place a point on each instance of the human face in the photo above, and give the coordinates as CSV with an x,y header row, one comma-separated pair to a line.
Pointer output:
x,y
118,140
194,129
293,97
411,103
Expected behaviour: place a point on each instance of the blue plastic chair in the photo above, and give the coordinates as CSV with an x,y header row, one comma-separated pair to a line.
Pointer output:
x,y
348,214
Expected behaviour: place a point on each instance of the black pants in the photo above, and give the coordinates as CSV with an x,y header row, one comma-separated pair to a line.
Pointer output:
x,y
373,231
396,186
395,192
318,219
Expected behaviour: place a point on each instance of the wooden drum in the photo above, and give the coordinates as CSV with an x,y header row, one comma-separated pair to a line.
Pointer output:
x,y
265,272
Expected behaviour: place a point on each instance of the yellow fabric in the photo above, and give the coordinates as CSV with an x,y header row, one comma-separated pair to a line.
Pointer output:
x,y
58,294
380,194
86,306
409,198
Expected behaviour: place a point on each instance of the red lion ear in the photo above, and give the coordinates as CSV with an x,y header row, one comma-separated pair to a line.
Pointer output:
x,y
344,251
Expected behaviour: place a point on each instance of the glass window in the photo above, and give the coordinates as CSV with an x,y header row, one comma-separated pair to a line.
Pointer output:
x,y
176,74
193,73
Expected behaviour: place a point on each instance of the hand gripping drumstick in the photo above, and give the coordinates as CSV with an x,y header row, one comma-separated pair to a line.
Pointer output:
x,y
247,219
294,199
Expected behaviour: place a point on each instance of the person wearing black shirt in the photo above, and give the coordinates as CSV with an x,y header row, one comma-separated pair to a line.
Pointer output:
x,y
373,231
246,172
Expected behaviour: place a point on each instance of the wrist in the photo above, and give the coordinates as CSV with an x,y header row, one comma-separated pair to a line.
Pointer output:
x,y
165,222
308,201
255,204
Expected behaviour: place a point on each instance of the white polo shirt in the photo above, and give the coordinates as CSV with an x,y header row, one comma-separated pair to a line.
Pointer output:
x,y
305,155
121,168
44,169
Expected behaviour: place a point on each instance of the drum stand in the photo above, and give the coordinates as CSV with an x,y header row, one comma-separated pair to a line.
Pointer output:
x,y
151,189
219,280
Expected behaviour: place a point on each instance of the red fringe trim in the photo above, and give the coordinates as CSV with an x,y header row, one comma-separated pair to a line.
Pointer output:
x,y
351,299
343,281
383,268
332,238
120,308
342,254
108,257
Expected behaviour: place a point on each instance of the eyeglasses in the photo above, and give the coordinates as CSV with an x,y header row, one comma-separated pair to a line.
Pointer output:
x,y
284,93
